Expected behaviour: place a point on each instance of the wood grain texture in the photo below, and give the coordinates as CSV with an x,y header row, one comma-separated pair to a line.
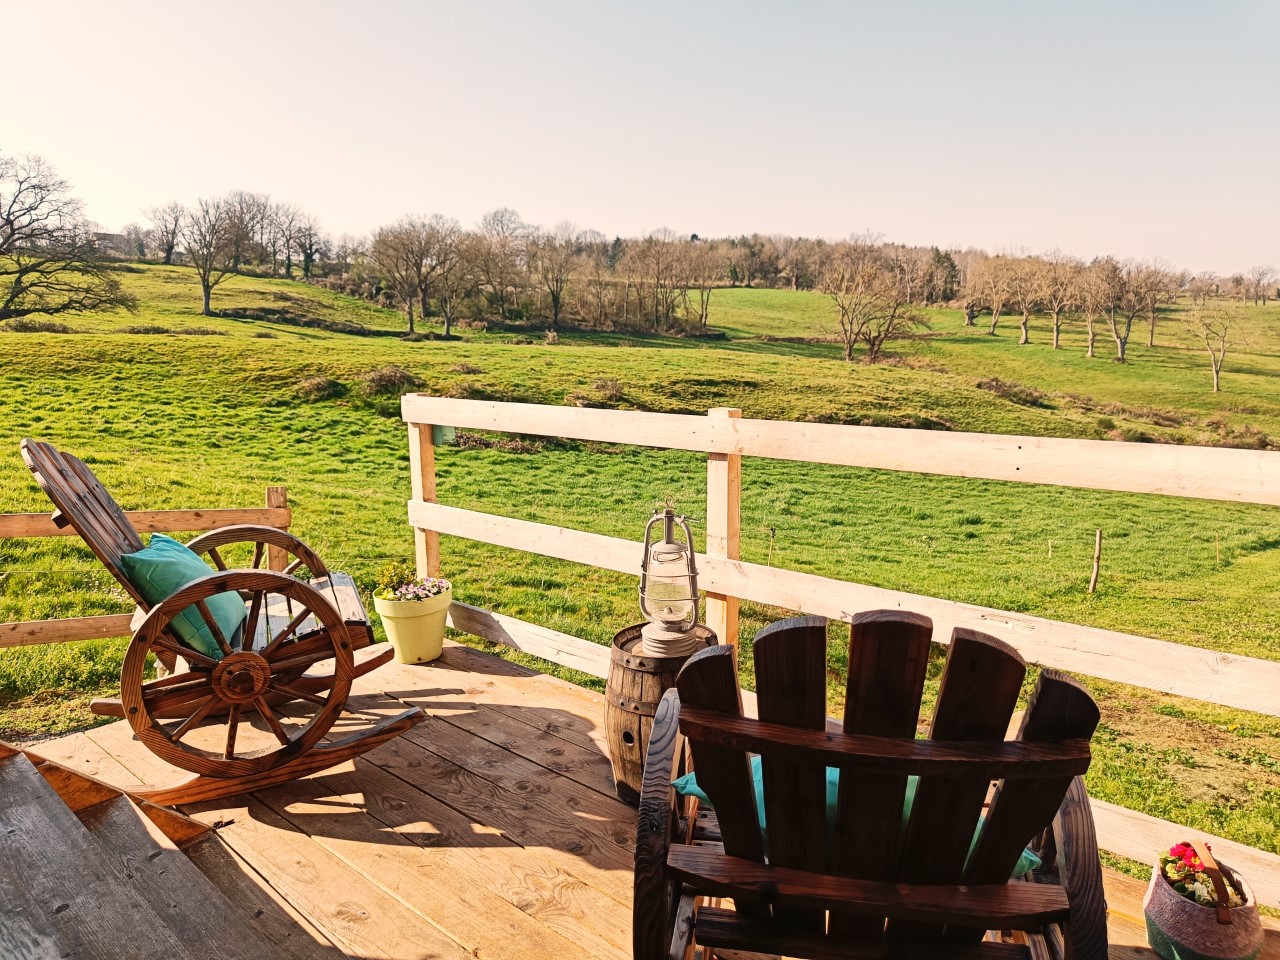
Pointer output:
x,y
422,479
25,633
21,525
725,929
724,528
938,758
791,690
1006,905
1246,476
561,648
655,895
181,896
980,686
888,659
1246,683
709,682
1080,874
58,893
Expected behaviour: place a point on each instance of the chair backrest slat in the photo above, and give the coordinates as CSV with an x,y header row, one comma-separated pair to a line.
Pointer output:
x,y
791,689
1060,709
85,503
888,660
710,679
979,692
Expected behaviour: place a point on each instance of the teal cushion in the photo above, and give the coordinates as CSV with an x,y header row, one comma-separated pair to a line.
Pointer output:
x,y
688,786
165,566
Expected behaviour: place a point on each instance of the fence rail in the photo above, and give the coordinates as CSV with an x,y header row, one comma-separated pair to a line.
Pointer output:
x,y
23,633
1215,474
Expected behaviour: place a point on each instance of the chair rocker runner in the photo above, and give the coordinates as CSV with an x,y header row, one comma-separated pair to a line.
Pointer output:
x,y
909,851
288,665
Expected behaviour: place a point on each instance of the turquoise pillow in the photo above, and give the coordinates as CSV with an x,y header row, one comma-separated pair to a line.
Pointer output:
x,y
687,786
164,566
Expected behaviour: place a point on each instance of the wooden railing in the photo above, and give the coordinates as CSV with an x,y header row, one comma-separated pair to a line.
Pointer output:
x,y
275,513
1243,476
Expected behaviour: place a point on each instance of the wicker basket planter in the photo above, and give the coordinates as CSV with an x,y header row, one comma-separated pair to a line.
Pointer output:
x,y
1181,929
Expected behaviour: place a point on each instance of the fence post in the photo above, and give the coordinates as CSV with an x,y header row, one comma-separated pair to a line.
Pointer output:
x,y
277,558
724,528
422,476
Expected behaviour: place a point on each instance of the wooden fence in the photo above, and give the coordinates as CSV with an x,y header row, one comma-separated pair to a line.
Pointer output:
x,y
275,513
1243,476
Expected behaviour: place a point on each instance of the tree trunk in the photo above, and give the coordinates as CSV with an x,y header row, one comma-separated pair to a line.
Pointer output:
x,y
1151,331
555,311
1057,329
207,291
995,318
1026,320
448,324
408,312
1216,368
168,256
848,351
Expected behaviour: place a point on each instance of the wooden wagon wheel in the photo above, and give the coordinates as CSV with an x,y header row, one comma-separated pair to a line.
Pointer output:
x,y
263,539
295,628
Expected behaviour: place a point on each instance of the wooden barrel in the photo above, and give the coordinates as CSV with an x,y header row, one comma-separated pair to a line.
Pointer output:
x,y
636,684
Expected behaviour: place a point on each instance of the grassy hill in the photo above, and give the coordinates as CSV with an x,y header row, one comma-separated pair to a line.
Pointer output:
x,y
209,411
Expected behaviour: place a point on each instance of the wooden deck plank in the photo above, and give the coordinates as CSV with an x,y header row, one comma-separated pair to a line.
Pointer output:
x,y
469,880
261,906
359,916
158,872
482,790
59,896
82,753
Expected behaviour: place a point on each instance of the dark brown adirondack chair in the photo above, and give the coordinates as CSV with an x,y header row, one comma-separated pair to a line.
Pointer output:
x,y
288,677
867,882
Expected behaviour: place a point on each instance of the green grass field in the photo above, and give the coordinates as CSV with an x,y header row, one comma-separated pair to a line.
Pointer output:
x,y
210,419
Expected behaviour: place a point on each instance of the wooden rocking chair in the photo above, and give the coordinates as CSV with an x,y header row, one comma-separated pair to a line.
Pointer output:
x,y
845,871
292,667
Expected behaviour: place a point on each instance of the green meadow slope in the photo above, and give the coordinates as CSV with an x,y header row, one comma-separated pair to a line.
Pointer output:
x,y
211,410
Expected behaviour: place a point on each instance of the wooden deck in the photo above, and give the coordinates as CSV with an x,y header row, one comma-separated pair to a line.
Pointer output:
x,y
490,831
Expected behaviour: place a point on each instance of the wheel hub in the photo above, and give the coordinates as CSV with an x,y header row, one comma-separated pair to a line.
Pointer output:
x,y
241,677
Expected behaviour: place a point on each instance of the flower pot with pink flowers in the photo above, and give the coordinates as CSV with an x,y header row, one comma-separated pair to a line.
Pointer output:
x,y
413,611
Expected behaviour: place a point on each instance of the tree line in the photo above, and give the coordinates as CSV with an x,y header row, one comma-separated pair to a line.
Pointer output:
x,y
505,270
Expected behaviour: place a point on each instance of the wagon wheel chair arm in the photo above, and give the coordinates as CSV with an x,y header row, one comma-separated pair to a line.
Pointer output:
x,y
1069,849
261,537
656,894
243,681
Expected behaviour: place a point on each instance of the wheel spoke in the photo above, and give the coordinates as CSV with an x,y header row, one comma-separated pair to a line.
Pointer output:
x,y
287,632
293,566
233,727
304,653
297,694
178,697
251,625
191,656
216,630
272,722
188,724
257,553
216,557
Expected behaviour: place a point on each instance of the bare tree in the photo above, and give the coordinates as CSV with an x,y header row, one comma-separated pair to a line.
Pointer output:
x,y
1023,276
1103,284
137,239
869,294
166,229
1059,279
286,221
455,280
1261,283
398,252
987,287
1217,331
550,257
500,257
50,261
207,239
309,242
245,215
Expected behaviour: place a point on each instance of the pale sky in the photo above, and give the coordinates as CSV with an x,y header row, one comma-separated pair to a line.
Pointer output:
x,y
1135,128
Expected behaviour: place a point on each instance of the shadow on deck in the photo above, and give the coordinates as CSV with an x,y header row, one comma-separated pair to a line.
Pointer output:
x,y
491,830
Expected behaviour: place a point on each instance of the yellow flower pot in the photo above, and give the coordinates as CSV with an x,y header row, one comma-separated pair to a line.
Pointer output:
x,y
415,627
